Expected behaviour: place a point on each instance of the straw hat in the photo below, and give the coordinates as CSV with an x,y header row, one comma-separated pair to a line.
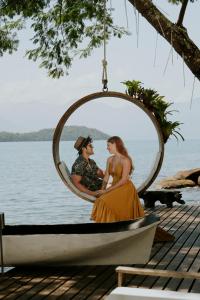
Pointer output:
x,y
82,142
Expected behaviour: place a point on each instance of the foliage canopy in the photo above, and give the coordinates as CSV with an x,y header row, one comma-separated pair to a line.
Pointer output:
x,y
63,29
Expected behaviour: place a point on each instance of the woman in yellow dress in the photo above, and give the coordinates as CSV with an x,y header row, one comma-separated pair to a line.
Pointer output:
x,y
120,201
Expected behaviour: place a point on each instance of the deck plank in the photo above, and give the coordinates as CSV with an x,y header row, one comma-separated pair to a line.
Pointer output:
x,y
185,285
178,224
59,281
170,221
194,285
84,293
40,288
180,253
67,291
167,252
10,291
189,263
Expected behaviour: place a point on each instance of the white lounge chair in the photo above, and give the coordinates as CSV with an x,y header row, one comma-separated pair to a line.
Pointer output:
x,y
128,293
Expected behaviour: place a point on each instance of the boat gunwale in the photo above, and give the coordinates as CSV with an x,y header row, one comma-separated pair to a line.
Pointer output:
x,y
82,228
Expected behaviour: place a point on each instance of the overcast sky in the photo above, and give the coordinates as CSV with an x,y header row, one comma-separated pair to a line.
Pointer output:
x,y
30,101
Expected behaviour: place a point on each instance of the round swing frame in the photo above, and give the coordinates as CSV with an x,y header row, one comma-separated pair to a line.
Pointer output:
x,y
106,94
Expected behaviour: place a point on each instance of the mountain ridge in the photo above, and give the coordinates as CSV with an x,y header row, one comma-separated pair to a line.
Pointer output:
x,y
70,133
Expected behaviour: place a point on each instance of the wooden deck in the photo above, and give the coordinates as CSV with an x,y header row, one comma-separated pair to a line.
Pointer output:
x,y
96,282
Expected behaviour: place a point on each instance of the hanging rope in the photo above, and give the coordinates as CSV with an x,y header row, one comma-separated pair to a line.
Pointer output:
x,y
160,8
172,46
183,70
138,28
155,53
170,52
104,61
191,100
126,13
136,23
160,26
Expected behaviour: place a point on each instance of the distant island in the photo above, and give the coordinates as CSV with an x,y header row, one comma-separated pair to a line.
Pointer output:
x,y
70,133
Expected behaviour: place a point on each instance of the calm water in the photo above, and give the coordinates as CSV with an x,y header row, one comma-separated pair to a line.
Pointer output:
x,y
32,192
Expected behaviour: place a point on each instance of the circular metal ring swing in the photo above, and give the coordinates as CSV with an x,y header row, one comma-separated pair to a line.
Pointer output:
x,y
62,168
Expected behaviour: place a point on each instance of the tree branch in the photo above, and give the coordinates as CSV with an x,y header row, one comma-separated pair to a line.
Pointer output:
x,y
182,13
183,45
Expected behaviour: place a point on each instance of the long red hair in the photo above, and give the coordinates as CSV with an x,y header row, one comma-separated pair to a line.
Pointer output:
x,y
121,148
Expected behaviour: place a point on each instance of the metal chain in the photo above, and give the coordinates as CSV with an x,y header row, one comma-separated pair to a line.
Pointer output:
x,y
104,61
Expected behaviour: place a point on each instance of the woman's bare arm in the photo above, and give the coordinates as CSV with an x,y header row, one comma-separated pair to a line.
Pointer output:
x,y
106,176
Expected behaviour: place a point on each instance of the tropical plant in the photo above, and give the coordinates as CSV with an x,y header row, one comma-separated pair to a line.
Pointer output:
x,y
170,128
134,88
157,105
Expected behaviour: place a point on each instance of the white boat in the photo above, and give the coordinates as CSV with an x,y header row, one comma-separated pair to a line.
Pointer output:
x,y
126,242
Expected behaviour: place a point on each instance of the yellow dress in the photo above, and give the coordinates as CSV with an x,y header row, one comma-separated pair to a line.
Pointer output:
x,y
119,204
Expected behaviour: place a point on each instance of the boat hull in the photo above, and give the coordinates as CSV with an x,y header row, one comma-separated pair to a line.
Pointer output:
x,y
125,246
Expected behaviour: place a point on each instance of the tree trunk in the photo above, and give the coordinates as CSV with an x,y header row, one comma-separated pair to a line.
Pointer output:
x,y
176,35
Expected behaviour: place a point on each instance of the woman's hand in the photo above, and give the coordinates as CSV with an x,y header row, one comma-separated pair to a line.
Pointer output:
x,y
99,193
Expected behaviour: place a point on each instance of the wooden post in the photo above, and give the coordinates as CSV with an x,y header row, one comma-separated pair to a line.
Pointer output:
x,y
120,279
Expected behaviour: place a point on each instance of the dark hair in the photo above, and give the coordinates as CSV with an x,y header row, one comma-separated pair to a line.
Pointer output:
x,y
87,141
121,148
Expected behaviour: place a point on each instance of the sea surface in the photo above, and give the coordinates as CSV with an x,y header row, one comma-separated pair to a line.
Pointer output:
x,y
31,192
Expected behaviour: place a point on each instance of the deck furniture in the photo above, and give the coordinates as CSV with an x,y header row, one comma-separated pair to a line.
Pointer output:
x,y
125,293
129,293
121,271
